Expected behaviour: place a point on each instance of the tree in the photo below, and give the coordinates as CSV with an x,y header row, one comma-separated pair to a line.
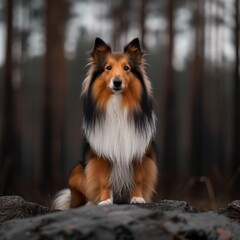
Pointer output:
x,y
169,121
120,21
196,101
143,13
9,136
236,100
54,90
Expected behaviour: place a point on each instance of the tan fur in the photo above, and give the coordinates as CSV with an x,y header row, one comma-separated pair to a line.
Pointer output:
x,y
77,186
131,97
101,93
97,174
90,184
145,178
150,174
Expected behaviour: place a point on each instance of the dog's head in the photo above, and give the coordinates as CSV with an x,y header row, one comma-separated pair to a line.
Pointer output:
x,y
117,73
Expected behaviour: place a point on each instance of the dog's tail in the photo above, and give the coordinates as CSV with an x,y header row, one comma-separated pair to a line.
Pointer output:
x,y
62,200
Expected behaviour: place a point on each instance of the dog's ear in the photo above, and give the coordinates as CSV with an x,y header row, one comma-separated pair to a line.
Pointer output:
x,y
133,49
100,50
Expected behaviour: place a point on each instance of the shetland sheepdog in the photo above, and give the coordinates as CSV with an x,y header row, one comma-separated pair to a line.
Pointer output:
x,y
118,163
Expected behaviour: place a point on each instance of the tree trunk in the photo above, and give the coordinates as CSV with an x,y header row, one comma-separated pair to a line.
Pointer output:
x,y
169,114
143,13
196,100
54,87
9,136
120,22
219,118
236,103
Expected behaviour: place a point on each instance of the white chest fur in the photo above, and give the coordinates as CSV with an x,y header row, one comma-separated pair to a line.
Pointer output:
x,y
116,137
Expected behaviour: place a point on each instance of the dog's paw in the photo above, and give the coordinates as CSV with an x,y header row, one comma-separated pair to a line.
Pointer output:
x,y
105,202
137,200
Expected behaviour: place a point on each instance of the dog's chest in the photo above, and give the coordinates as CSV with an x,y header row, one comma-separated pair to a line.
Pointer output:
x,y
116,137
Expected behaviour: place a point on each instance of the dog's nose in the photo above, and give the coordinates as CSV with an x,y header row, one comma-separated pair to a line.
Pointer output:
x,y
117,83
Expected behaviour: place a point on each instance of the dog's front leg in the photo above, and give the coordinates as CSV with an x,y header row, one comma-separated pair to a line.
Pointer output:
x,y
97,181
137,194
145,178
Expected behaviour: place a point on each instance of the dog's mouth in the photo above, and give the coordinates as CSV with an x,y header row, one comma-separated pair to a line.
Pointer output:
x,y
117,89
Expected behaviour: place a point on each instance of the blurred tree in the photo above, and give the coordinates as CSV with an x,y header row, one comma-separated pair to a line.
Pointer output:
x,y
236,102
219,119
54,92
120,18
143,15
9,135
196,101
169,121
24,32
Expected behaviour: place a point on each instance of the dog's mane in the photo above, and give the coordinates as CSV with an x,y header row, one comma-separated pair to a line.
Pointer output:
x,y
92,113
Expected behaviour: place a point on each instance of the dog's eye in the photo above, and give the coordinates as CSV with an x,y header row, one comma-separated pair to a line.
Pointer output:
x,y
126,68
109,68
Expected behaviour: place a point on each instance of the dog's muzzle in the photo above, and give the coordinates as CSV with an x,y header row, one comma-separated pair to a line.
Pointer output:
x,y
116,85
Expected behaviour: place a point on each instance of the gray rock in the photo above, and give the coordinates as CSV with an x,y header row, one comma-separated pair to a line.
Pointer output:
x,y
164,220
12,207
169,205
232,210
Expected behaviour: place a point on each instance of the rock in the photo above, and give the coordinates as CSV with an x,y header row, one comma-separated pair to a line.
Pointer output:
x,y
167,219
169,205
12,207
232,210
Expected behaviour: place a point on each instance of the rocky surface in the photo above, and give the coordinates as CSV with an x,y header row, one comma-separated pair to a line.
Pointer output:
x,y
12,207
164,220
232,210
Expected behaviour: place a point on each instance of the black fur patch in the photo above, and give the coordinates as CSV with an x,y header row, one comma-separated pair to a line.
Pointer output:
x,y
141,118
85,151
91,112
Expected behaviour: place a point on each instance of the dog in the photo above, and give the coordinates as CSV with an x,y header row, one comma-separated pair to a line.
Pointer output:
x,y
118,163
